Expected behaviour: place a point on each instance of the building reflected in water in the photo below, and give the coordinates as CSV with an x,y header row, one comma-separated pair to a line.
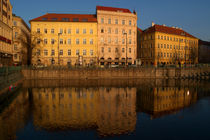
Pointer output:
x,y
110,111
15,116
161,101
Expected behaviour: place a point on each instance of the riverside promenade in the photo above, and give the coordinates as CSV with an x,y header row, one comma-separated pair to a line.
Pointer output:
x,y
117,73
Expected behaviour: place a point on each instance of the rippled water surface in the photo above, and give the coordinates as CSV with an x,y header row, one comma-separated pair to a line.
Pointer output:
x,y
61,110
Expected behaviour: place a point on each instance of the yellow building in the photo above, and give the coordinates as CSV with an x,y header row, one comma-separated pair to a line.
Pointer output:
x,y
117,35
21,40
110,111
77,35
162,45
5,32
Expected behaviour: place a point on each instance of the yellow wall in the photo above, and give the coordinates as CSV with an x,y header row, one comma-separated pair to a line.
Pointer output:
x,y
170,55
65,46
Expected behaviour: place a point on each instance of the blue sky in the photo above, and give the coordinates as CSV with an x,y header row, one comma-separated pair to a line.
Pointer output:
x,y
191,15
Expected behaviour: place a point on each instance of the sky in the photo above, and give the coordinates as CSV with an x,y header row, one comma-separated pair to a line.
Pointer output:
x,y
192,16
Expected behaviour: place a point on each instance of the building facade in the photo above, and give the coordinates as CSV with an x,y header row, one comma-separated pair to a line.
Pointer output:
x,y
21,41
117,35
77,35
204,51
162,45
5,32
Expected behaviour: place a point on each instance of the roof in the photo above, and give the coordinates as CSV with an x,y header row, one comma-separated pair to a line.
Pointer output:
x,y
140,30
112,9
66,18
201,42
168,30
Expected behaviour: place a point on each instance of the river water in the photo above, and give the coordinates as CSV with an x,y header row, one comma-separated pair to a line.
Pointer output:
x,y
107,109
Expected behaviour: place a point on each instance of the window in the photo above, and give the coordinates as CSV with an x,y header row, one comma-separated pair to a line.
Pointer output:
x,y
69,52
54,19
150,45
91,31
91,52
102,30
109,40
123,22
44,18
102,20
109,21
116,50
75,19
129,40
52,31
45,52
116,21
165,46
15,47
52,41
123,31
77,41
84,41
102,49
123,50
65,19
16,34
167,38
38,41
158,36
109,30
129,22
91,41
69,41
84,31
130,32
52,52
116,31
158,45
84,19
164,37
129,50
61,52
38,52
45,31
109,49
61,31
77,31
45,41
69,31
116,40
15,56
15,23
38,30
61,41
123,41
77,52
84,52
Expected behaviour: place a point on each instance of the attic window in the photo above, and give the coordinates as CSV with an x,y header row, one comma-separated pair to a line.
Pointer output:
x,y
119,11
44,18
65,19
54,19
84,19
75,19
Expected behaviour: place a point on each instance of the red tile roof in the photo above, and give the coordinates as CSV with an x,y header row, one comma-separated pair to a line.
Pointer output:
x,y
168,30
66,18
113,9
139,30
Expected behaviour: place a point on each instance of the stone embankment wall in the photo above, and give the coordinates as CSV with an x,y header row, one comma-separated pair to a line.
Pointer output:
x,y
118,73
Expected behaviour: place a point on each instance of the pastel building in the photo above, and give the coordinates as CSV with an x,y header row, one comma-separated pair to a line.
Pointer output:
x,y
21,41
163,45
117,35
5,32
64,39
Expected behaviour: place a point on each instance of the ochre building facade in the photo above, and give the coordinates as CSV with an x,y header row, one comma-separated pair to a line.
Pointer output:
x,y
162,45
117,35
5,32
21,41
73,36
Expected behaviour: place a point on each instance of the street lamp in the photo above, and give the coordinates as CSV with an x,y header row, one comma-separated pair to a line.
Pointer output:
x,y
58,48
126,49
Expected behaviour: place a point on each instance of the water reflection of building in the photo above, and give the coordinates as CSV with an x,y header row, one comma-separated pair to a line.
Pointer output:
x,y
164,100
14,117
110,110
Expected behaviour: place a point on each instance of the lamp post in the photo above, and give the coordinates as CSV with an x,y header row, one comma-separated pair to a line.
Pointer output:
x,y
126,49
58,48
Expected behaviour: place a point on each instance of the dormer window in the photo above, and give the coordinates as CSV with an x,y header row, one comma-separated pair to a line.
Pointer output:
x,y
54,19
44,18
75,19
84,19
65,19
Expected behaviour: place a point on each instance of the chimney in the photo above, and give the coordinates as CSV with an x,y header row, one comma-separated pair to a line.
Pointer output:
x,y
164,25
153,24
